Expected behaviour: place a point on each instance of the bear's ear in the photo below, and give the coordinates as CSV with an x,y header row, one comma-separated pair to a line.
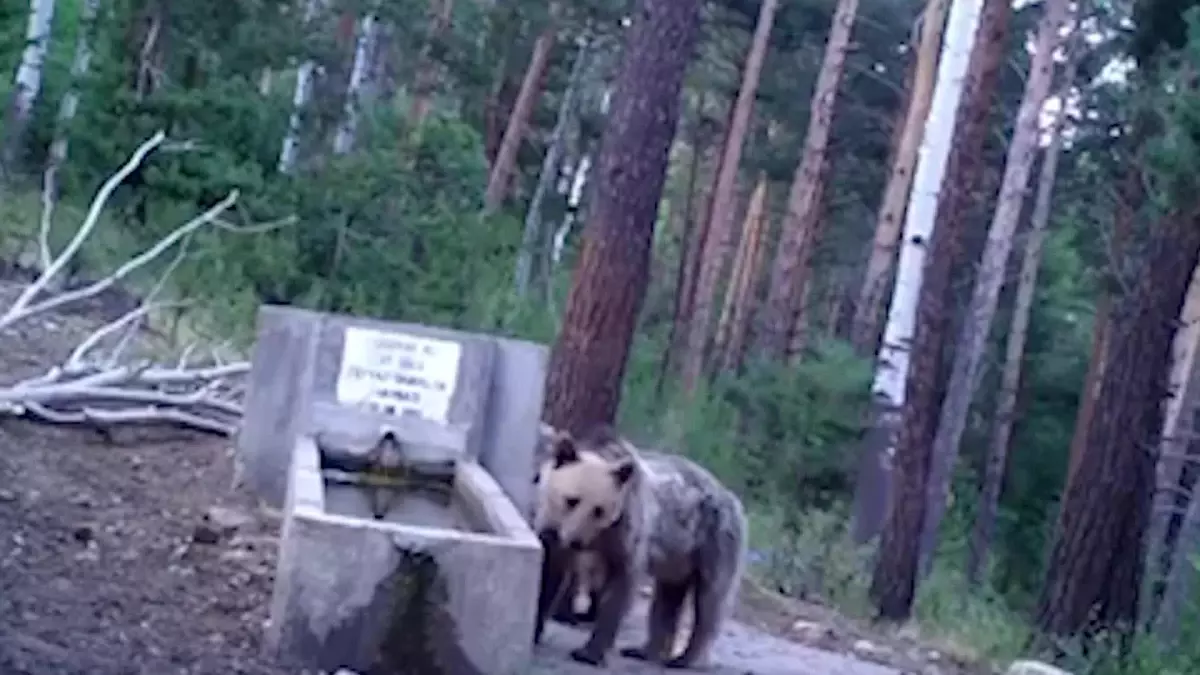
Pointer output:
x,y
564,451
623,472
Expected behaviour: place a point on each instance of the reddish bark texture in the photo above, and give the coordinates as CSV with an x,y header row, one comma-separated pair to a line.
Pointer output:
x,y
960,190
531,86
1097,560
718,240
799,231
587,365
1129,197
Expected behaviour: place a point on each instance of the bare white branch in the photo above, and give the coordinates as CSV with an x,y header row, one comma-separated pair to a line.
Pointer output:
x,y
19,309
48,190
102,391
76,359
132,264
146,415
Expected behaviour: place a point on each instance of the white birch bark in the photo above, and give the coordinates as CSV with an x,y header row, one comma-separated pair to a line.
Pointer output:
x,y
574,200
892,361
1173,453
344,140
28,81
303,92
533,217
70,101
968,353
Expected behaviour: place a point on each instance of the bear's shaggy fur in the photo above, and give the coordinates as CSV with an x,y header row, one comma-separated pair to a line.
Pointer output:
x,y
643,513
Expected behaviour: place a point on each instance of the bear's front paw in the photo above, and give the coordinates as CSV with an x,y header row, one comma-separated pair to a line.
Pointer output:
x,y
588,656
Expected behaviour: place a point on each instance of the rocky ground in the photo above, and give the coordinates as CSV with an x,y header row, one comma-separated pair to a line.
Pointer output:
x,y
133,553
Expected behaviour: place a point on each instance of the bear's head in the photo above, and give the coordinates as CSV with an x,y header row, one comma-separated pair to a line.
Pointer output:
x,y
580,494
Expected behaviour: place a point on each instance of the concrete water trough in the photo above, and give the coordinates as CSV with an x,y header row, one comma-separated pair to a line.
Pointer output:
x,y
391,566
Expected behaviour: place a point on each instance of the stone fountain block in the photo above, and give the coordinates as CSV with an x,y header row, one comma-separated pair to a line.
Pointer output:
x,y
432,587
490,413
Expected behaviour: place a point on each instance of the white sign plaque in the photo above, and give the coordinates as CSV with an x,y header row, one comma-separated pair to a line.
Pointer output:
x,y
398,373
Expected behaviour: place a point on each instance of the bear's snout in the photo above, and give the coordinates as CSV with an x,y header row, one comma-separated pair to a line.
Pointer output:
x,y
548,537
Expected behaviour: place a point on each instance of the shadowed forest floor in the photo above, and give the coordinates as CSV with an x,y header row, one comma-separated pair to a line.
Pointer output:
x,y
134,554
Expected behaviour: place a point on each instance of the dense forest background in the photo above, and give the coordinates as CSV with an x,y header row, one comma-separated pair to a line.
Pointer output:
x,y
439,160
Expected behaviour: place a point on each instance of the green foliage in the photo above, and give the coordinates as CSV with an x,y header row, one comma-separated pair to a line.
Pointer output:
x,y
393,229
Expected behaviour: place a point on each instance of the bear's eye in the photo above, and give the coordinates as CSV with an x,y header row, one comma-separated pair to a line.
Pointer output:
x,y
571,503
598,512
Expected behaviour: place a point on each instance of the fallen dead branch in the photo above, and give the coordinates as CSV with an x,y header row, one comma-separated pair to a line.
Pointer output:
x,y
94,385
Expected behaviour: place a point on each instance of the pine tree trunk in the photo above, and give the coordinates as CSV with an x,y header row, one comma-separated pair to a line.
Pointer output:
x,y
1130,195
1010,380
798,232
506,157
689,253
717,241
731,330
743,311
867,311
972,341
1096,564
587,365
425,80
874,485
894,583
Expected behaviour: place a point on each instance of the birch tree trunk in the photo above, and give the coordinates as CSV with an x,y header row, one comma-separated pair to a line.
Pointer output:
x,y
873,489
343,141
300,98
789,273
1014,354
864,330
518,119
1173,534
587,364
70,100
972,340
532,234
579,182
28,81
717,241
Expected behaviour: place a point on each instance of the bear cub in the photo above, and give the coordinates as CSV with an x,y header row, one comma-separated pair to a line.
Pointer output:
x,y
639,513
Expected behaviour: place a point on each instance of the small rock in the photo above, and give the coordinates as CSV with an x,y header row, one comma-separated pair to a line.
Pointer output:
x,y
868,649
811,632
205,534
227,519
1033,668
8,496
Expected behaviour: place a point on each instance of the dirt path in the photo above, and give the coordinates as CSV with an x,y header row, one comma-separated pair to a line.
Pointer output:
x,y
741,650
132,554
